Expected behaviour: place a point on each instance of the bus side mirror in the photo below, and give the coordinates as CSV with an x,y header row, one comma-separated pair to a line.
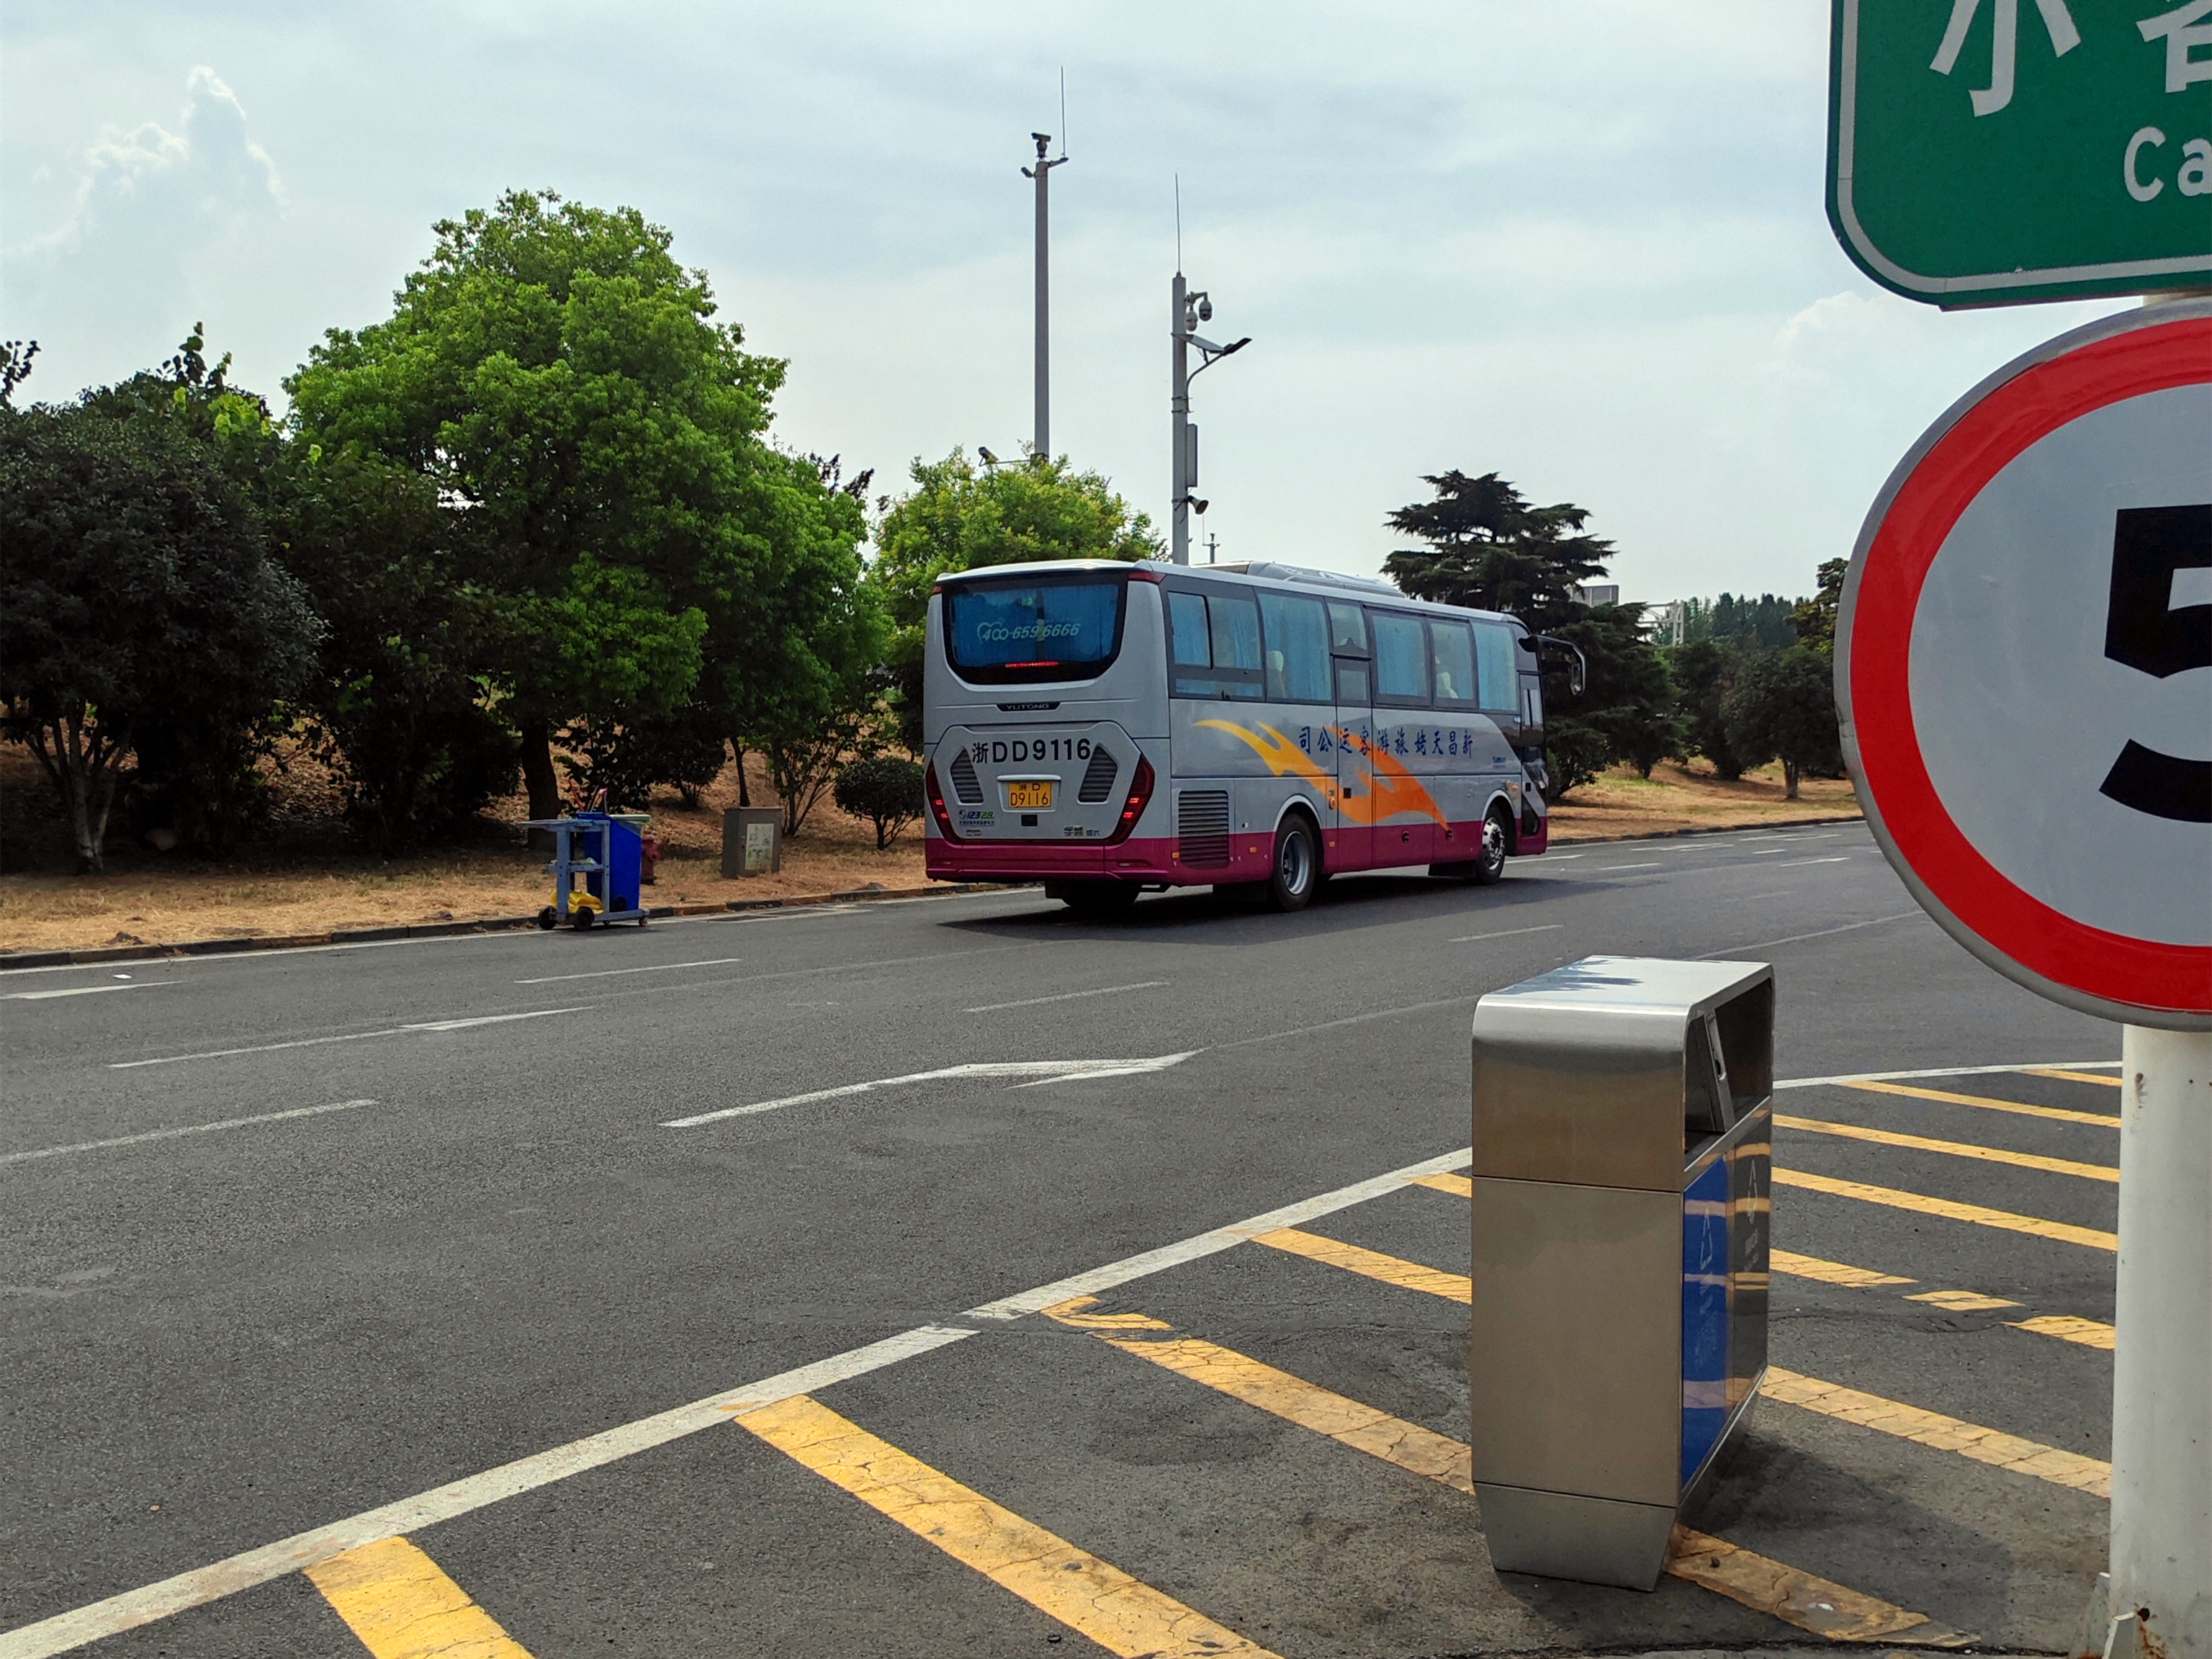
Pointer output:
x,y
1578,663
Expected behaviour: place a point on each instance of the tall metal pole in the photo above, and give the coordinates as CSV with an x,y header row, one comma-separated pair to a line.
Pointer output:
x,y
1042,173
1179,412
2162,1576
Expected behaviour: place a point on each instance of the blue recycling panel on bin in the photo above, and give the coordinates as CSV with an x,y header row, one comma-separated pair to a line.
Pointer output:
x,y
625,862
1705,1344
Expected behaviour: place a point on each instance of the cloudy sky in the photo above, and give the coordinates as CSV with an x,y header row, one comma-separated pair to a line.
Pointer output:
x,y
1582,246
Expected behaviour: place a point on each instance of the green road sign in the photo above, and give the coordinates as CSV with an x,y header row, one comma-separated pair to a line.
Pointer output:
x,y
1992,152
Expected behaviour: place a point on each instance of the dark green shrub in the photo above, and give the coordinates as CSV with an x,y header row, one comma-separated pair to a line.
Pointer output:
x,y
886,791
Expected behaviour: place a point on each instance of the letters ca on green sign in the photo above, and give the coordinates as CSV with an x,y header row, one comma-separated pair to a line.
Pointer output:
x,y
1992,152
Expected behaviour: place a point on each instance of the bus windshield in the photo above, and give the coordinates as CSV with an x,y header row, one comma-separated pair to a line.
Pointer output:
x,y
1050,628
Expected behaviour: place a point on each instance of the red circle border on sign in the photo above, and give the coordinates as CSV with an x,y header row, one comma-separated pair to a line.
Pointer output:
x,y
2030,406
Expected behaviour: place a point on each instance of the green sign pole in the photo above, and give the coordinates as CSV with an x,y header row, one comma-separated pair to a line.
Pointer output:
x,y
1996,152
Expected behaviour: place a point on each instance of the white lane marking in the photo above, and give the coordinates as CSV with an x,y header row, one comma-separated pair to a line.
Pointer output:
x,y
349,1037
1066,996
188,1129
1820,932
1050,1070
256,1567
1349,1019
83,991
1762,852
1840,858
1509,933
1604,869
1220,1239
1122,1068
1949,1071
611,973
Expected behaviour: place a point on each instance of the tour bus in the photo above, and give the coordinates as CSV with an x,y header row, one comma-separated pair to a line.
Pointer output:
x,y
1107,728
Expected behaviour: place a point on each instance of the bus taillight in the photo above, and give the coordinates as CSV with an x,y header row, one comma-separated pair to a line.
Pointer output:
x,y
1140,791
937,803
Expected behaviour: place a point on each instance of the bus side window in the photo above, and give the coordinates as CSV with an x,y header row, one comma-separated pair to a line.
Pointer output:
x,y
1402,658
1187,620
1495,654
1347,629
1451,654
1298,648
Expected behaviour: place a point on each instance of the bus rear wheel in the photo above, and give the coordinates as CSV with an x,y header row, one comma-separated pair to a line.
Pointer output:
x,y
1297,870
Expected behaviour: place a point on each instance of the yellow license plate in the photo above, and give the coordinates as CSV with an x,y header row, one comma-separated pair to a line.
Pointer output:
x,y
1029,797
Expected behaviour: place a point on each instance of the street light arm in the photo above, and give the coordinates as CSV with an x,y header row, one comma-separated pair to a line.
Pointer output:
x,y
1214,354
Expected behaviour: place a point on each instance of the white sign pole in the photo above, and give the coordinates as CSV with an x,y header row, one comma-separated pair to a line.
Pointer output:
x,y
2161,1573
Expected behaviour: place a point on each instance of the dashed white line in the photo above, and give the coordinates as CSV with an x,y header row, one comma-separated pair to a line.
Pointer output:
x,y
1607,869
346,1036
1052,1070
186,1129
1820,932
1067,996
1948,1071
612,973
1507,932
1840,858
83,991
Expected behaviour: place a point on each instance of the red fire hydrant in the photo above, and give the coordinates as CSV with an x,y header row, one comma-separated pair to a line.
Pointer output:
x,y
648,857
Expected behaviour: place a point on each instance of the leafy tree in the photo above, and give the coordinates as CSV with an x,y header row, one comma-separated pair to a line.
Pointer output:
x,y
686,748
1814,620
1490,549
140,603
1703,670
1784,704
1742,622
560,380
960,517
804,755
405,701
1626,710
884,789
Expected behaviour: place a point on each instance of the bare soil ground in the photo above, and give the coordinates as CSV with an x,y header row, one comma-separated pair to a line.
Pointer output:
x,y
307,872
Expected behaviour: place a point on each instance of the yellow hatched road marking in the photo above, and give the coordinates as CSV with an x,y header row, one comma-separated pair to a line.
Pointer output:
x,y
1810,1603
1953,1148
1831,1272
2059,1113
2090,1333
1962,1301
1799,1598
2073,1077
1447,1183
1373,1263
1950,1209
2004,1451
402,1606
1089,1596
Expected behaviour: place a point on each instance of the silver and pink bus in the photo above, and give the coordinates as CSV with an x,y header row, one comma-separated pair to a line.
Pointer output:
x,y
1108,727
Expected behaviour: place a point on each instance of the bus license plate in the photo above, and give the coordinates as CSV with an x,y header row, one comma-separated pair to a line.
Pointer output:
x,y
1029,797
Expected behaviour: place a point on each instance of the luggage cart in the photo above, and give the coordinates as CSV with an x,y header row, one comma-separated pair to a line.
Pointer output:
x,y
608,853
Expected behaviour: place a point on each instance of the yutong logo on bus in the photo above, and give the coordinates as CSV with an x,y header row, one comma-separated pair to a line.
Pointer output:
x,y
999,633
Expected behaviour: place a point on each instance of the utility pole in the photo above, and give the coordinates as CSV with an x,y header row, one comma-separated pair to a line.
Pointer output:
x,y
1186,310
1042,173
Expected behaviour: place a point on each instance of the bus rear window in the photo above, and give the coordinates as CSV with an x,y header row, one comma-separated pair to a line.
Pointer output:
x,y
1059,628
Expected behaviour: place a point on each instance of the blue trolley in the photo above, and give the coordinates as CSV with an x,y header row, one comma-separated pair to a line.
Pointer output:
x,y
608,853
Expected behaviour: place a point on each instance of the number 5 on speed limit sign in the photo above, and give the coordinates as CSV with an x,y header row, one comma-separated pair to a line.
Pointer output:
x,y
2024,667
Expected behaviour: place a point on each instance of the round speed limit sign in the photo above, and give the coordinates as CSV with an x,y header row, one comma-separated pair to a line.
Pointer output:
x,y
2024,668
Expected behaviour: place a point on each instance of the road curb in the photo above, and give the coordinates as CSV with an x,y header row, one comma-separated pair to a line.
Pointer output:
x,y
216,947
92,956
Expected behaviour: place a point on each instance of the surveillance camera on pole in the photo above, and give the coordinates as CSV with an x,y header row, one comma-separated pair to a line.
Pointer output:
x,y
1042,173
1187,309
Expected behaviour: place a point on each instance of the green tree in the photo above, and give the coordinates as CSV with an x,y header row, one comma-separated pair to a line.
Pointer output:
x,y
1814,620
141,608
1490,549
1703,670
405,701
958,517
1783,705
884,789
1626,710
560,380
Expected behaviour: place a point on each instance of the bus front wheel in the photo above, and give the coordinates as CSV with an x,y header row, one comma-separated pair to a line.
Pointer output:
x,y
1490,868
1296,869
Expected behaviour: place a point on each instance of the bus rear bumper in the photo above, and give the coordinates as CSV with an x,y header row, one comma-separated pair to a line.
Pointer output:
x,y
1151,862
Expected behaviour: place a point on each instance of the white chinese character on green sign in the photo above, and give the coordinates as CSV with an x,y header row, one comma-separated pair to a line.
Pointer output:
x,y
2185,29
2004,39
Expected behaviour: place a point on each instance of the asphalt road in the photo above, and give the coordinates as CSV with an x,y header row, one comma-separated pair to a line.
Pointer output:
x,y
475,1239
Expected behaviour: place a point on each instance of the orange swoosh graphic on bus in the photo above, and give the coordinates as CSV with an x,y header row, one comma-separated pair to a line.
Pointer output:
x,y
1394,789
1391,789
1281,754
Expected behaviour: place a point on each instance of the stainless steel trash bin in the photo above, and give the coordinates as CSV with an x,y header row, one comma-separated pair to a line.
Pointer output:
x,y
1623,1112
